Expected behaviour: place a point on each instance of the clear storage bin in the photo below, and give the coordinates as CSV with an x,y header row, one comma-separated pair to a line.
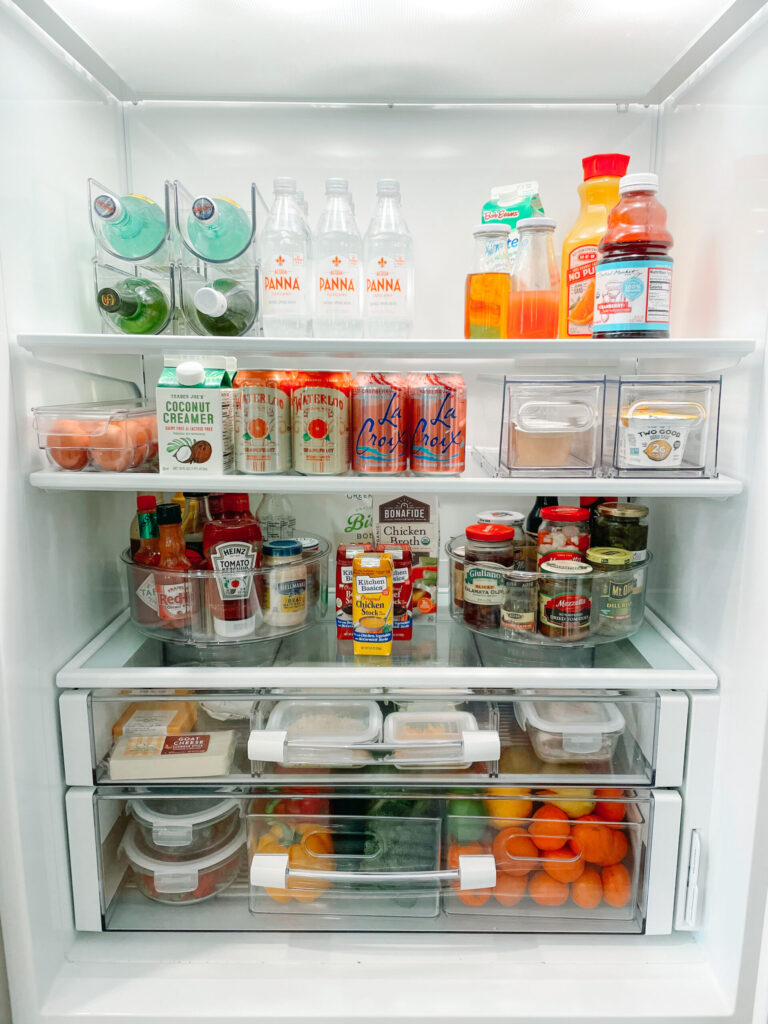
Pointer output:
x,y
552,425
115,437
563,732
202,617
530,601
196,825
218,299
667,426
318,732
135,298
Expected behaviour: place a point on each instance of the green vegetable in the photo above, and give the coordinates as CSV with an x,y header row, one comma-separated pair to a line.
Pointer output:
x,y
466,820
400,845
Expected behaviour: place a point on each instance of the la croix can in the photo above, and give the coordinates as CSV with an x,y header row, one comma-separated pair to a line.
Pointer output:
x,y
263,421
320,413
379,427
437,422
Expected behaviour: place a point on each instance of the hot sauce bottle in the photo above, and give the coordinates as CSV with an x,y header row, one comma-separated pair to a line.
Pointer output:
x,y
176,602
232,547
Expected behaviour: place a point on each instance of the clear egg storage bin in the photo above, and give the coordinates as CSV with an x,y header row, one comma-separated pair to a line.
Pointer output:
x,y
667,426
552,425
220,300
135,298
208,608
115,437
130,227
215,228
578,606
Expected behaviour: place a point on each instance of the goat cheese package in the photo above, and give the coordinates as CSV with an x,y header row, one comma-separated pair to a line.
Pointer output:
x,y
194,755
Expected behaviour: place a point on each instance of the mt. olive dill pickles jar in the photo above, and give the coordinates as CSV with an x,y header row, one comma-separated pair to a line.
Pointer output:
x,y
565,599
622,524
614,601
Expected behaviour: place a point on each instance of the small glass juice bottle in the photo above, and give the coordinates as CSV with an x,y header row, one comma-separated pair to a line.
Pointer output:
x,y
486,304
534,301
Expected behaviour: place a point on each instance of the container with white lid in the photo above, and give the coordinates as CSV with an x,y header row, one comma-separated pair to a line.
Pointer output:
x,y
562,731
318,732
184,876
196,825
439,739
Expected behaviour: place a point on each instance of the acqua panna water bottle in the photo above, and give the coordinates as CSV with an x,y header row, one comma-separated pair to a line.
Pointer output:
x,y
389,271
285,251
338,267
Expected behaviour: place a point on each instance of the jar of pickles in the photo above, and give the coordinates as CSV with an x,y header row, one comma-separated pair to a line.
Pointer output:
x,y
564,531
565,598
488,549
622,524
614,586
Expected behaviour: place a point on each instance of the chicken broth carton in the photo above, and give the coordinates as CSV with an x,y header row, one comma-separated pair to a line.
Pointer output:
x,y
372,603
195,420
401,520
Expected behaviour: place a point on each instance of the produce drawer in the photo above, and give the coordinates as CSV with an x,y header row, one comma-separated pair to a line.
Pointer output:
x,y
409,738
387,859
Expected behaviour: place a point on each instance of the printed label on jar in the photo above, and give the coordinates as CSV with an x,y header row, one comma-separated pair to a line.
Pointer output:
x,y
567,611
660,443
581,290
483,586
286,596
263,429
284,285
173,600
238,560
386,284
615,601
632,295
320,430
518,622
338,291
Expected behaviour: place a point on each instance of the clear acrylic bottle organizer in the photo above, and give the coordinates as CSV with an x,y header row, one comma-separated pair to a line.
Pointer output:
x,y
118,436
667,426
219,299
135,298
130,227
216,228
207,608
610,605
552,425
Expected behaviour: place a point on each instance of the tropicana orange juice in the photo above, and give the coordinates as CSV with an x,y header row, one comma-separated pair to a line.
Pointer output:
x,y
599,193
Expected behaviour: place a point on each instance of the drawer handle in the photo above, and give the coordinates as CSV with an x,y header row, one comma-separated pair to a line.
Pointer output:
x,y
474,745
475,871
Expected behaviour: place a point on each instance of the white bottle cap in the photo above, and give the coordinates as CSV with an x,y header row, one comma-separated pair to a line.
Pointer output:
x,y
646,182
388,187
336,185
536,222
210,302
190,373
491,228
284,185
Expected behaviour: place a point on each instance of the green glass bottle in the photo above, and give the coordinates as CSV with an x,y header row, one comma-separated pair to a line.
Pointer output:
x,y
225,307
134,306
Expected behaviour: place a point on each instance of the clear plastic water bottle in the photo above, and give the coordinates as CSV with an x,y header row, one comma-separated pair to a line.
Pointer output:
x,y
389,269
338,267
276,517
303,205
218,228
285,250
225,307
133,226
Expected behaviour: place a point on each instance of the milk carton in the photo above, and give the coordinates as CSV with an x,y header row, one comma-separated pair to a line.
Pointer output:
x,y
195,419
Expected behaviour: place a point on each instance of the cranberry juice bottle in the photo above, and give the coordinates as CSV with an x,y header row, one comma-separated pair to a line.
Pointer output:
x,y
633,279
232,547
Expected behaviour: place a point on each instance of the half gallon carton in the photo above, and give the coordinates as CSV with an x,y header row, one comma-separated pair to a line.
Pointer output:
x,y
401,520
195,419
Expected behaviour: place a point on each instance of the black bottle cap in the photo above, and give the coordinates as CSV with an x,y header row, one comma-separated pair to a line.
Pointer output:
x,y
170,513
111,301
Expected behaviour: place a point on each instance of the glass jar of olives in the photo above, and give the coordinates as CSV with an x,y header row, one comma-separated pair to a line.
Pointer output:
x,y
622,524
489,548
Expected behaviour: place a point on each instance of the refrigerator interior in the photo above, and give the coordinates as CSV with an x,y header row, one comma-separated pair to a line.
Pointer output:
x,y
412,104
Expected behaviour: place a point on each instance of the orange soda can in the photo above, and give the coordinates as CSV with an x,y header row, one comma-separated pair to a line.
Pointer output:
x,y
379,427
437,422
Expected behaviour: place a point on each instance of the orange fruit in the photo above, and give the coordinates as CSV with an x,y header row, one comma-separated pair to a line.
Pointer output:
x,y
563,864
67,443
587,891
471,897
617,885
617,850
610,811
550,828
510,888
317,429
584,306
546,891
592,838
514,851
138,439
258,427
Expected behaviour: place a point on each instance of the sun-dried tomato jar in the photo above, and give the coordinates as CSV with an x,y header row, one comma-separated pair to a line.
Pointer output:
x,y
565,599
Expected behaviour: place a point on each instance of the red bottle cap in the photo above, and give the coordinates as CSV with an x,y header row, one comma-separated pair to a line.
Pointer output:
x,y
236,503
605,165
146,503
490,531
564,514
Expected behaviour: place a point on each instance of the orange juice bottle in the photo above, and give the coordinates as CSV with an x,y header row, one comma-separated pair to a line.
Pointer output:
x,y
599,194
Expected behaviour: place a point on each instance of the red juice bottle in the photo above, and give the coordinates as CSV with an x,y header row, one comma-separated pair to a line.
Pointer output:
x,y
633,279
232,548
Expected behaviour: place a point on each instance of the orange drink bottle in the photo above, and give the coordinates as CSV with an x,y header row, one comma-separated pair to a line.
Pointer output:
x,y
486,299
599,193
263,421
379,427
535,296
437,422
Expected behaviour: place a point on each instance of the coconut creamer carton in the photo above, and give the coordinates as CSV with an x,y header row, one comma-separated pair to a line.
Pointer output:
x,y
402,520
195,419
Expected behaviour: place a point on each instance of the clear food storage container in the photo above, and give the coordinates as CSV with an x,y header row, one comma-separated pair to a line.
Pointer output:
x,y
426,736
552,425
667,426
194,824
184,876
115,437
207,608
318,732
567,731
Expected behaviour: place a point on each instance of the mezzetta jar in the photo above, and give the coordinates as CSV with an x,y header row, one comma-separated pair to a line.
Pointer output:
x,y
488,549
565,599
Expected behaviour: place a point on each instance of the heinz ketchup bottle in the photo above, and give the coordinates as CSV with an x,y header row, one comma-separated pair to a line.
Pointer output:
x,y
232,547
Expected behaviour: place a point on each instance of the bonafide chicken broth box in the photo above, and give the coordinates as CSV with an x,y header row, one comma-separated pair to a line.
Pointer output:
x,y
400,519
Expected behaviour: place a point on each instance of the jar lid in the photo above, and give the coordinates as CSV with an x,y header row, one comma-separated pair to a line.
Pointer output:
x,y
493,228
502,518
617,557
565,514
623,510
490,532
568,567
309,543
536,224
281,548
